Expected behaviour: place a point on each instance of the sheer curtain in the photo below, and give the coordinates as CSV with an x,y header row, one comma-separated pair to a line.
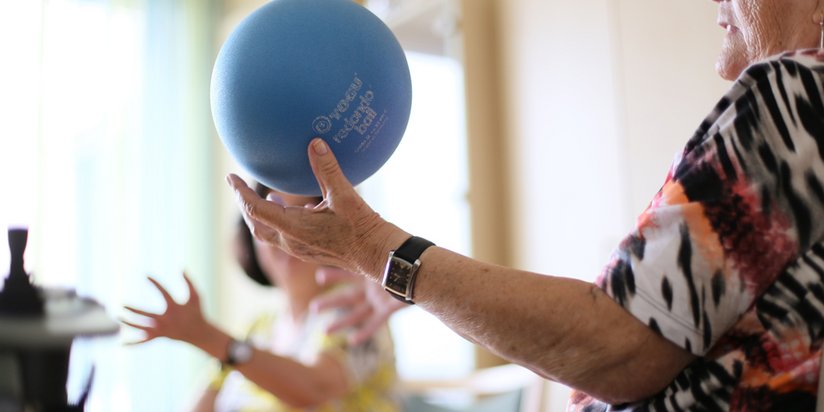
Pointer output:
x,y
106,154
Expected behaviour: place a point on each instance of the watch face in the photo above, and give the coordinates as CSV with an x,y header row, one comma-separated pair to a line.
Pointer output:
x,y
397,275
240,352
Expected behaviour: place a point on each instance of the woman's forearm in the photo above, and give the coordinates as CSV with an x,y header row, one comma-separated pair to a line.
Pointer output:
x,y
563,329
206,401
296,384
292,382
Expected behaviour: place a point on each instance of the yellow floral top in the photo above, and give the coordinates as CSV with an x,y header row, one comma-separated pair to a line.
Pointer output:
x,y
371,369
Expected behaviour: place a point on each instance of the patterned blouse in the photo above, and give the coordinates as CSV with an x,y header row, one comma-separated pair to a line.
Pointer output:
x,y
727,261
371,368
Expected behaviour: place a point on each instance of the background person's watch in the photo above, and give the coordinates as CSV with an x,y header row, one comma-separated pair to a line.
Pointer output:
x,y
402,267
238,352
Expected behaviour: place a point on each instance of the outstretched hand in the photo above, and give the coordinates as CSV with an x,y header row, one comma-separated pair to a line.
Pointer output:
x,y
341,231
366,306
183,322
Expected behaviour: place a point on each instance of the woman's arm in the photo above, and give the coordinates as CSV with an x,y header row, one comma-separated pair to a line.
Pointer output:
x,y
293,383
206,401
564,329
296,384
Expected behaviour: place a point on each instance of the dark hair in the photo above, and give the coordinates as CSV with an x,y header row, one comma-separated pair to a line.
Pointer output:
x,y
245,253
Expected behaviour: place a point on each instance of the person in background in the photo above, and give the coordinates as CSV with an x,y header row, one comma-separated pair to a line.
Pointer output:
x,y
364,306
287,362
714,301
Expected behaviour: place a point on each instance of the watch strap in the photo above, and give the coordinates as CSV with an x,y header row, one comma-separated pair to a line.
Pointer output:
x,y
412,248
401,298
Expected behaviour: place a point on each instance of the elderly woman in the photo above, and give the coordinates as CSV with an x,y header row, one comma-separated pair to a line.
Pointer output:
x,y
714,302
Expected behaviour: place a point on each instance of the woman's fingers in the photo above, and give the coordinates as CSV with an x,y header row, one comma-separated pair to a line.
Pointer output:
x,y
255,209
367,330
329,275
138,342
194,297
262,231
265,218
355,317
338,299
144,328
149,332
325,167
142,312
166,296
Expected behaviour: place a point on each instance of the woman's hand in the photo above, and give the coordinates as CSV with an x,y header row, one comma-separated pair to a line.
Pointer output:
x,y
341,231
366,306
183,322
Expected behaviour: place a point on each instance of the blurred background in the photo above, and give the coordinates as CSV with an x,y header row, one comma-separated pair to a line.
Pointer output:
x,y
539,130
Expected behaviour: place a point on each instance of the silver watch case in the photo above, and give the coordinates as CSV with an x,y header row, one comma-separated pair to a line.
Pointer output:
x,y
399,276
239,352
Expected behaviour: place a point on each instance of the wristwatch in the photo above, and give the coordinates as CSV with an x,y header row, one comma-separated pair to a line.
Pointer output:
x,y
401,268
238,352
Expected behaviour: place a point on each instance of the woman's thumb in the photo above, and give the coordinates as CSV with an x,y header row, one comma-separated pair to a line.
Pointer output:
x,y
325,166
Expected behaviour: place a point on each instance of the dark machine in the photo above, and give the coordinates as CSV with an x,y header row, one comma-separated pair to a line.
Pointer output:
x,y
37,327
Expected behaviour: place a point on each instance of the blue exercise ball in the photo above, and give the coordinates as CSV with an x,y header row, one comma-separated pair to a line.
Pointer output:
x,y
297,69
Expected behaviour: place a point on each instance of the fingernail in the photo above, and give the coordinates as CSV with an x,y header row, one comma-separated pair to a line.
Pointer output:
x,y
319,146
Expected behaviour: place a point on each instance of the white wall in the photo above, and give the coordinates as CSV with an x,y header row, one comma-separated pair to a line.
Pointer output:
x,y
667,62
563,128
600,95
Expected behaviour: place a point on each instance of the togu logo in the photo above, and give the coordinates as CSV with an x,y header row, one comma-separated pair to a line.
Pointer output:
x,y
321,125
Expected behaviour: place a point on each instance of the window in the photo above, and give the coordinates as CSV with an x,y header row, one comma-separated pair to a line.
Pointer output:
x,y
105,157
422,188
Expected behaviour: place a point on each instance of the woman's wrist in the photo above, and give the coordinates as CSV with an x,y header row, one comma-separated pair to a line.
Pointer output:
x,y
376,249
212,340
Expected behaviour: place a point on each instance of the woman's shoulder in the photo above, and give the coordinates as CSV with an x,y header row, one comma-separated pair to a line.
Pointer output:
x,y
774,89
790,67
807,57
768,90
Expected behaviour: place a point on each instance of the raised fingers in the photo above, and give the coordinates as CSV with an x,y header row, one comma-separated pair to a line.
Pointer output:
x,y
166,296
149,332
339,299
329,275
142,312
144,328
356,316
138,342
255,209
367,330
194,297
